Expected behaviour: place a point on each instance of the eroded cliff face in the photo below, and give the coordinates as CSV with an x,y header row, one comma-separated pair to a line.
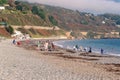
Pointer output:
x,y
3,32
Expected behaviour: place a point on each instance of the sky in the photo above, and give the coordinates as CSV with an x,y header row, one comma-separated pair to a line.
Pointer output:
x,y
90,6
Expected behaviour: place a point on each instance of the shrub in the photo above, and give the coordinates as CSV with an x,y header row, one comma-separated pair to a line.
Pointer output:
x,y
52,20
9,29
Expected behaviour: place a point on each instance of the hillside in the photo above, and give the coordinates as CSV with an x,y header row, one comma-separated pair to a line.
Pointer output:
x,y
23,13
69,19
17,18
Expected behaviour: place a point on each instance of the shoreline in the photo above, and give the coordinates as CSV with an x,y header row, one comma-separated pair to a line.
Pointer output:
x,y
108,63
108,50
64,49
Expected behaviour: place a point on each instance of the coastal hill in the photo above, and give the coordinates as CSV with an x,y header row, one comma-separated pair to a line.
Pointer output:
x,y
80,24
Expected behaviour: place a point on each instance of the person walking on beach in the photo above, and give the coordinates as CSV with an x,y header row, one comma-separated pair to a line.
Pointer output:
x,y
102,51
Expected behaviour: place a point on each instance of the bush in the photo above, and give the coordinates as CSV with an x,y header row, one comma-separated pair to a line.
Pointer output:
x,y
52,20
3,1
39,12
9,29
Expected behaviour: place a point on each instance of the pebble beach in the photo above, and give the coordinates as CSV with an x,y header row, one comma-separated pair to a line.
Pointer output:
x,y
21,63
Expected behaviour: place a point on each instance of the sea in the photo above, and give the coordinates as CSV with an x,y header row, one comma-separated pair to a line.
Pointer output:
x,y
109,46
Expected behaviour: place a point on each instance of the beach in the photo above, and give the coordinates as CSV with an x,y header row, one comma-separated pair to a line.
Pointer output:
x,y
26,62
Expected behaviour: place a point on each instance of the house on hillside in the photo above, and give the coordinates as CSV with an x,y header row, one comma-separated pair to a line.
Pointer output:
x,y
103,22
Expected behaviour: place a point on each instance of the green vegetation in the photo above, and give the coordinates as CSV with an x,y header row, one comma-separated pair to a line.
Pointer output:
x,y
84,22
18,18
39,12
9,29
53,21
3,2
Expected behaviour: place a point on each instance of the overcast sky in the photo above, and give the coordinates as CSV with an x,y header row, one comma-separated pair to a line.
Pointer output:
x,y
92,6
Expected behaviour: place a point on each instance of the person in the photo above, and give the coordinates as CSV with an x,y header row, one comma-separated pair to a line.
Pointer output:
x,y
53,47
75,47
90,50
102,51
14,41
18,43
38,44
85,49
81,48
46,46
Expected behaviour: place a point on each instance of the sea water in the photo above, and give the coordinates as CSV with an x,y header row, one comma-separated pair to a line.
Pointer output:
x,y
110,46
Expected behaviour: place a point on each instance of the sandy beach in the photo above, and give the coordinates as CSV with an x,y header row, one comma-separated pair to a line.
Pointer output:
x,y
26,62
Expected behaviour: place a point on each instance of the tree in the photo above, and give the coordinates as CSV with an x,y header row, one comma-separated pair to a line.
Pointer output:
x,y
35,10
52,20
19,7
9,29
25,7
3,1
39,12
17,2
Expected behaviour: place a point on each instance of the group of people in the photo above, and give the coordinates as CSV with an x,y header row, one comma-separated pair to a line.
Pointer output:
x,y
45,45
16,42
89,49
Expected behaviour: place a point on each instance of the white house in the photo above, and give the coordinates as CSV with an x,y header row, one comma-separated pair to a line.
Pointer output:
x,y
103,22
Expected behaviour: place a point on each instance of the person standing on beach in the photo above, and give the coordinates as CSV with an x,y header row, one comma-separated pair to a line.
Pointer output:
x,y
75,47
90,50
53,47
46,45
82,49
14,41
38,44
102,51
